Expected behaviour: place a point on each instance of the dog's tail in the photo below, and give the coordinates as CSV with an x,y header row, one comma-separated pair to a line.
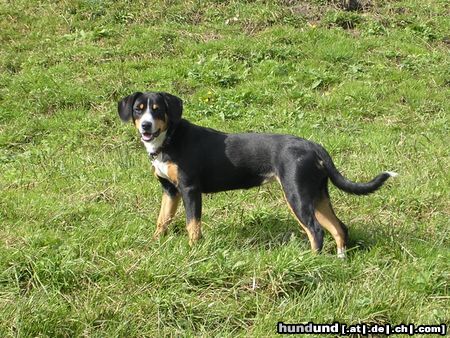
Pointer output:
x,y
352,187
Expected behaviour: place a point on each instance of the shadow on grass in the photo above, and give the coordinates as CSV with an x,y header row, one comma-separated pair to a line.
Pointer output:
x,y
268,231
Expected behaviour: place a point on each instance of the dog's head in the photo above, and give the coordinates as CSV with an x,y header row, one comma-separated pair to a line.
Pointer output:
x,y
152,113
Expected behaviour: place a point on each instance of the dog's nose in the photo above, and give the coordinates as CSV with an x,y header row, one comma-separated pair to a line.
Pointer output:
x,y
146,126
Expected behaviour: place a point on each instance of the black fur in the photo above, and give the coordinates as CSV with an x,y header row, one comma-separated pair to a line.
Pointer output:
x,y
174,106
210,161
125,106
345,184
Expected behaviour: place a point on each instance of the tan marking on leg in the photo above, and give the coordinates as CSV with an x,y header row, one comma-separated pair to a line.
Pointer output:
x,y
194,231
326,217
172,173
312,241
167,212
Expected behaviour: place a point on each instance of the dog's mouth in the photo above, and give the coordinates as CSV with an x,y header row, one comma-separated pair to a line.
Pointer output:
x,y
148,137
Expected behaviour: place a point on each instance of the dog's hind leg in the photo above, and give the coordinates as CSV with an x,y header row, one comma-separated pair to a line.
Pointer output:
x,y
301,205
325,215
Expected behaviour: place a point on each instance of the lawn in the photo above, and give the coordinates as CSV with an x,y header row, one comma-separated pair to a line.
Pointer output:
x,y
78,201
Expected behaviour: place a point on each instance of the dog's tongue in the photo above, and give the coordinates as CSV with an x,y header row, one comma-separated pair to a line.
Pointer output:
x,y
147,137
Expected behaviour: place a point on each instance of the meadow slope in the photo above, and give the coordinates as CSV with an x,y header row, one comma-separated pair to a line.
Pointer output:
x,y
78,201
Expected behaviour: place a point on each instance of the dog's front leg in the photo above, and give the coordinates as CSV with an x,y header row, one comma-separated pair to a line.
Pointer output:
x,y
192,199
169,206
170,199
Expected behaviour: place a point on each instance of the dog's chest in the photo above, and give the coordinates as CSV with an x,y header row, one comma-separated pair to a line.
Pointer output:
x,y
167,169
161,168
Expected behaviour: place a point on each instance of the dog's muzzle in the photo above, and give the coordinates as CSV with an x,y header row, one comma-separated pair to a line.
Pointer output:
x,y
148,137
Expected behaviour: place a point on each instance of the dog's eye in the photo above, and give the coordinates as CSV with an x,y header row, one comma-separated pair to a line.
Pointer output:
x,y
139,108
155,107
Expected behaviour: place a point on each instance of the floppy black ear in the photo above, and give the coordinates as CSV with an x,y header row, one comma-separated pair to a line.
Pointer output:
x,y
125,106
174,106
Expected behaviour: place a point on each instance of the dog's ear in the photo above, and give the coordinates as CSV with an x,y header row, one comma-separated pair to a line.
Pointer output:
x,y
174,106
125,106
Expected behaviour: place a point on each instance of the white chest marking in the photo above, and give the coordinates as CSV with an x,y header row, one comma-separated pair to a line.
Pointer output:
x,y
161,168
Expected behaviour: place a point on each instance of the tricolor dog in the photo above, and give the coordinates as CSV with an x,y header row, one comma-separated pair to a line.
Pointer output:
x,y
190,160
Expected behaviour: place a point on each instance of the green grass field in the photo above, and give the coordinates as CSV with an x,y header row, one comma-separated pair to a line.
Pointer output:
x,y
76,256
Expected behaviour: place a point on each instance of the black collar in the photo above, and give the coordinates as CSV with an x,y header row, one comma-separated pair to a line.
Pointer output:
x,y
156,153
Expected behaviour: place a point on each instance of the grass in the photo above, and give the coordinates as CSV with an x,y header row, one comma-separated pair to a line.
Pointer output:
x,y
78,202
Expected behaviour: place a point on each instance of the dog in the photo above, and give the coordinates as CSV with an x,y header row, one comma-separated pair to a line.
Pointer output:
x,y
190,160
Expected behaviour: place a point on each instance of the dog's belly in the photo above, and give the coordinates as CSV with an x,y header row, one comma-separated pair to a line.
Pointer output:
x,y
233,181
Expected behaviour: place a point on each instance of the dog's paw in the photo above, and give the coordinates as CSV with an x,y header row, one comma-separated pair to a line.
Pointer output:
x,y
193,239
158,234
341,253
